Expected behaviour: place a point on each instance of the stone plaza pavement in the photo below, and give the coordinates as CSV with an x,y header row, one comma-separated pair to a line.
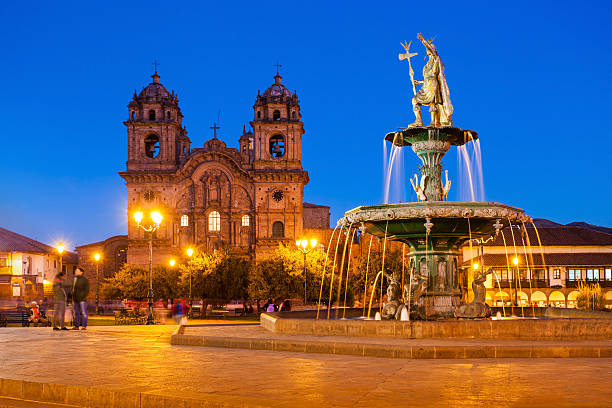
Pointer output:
x,y
137,367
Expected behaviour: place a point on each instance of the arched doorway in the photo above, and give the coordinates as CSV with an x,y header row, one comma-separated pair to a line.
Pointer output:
x,y
501,299
539,298
556,299
571,298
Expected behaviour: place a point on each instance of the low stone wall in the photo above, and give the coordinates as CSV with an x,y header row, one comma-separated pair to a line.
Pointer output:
x,y
528,329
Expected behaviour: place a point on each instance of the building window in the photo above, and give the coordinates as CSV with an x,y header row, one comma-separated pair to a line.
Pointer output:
x,y
608,275
293,114
54,264
574,274
151,114
278,230
152,146
214,221
3,262
277,146
121,257
258,114
557,274
276,115
185,220
169,115
133,114
246,220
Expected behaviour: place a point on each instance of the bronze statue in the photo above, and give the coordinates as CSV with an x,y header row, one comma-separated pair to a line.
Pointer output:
x,y
478,307
434,92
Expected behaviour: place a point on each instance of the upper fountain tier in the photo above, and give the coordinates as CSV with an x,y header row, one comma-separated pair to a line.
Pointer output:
x,y
410,136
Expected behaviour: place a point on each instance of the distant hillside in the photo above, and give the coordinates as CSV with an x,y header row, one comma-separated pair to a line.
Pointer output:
x,y
543,222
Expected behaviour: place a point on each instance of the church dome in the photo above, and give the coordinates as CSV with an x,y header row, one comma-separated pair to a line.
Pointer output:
x,y
278,89
156,92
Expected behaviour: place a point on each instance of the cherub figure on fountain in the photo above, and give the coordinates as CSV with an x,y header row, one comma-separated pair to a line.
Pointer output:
x,y
390,310
477,308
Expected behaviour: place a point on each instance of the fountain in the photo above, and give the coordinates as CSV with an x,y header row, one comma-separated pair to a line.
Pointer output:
x,y
433,228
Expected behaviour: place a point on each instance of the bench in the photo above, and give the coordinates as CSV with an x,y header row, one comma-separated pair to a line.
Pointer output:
x,y
127,316
219,312
14,316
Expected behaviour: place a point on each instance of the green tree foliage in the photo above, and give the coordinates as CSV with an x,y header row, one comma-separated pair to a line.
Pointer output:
x,y
217,277
132,282
393,264
281,275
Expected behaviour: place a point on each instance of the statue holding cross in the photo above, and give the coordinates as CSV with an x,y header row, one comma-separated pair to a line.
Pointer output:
x,y
434,91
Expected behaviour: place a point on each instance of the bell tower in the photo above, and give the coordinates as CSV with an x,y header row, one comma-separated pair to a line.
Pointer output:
x,y
157,139
277,129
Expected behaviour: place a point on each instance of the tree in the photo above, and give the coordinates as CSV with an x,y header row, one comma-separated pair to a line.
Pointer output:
x,y
132,282
393,264
281,275
590,296
217,277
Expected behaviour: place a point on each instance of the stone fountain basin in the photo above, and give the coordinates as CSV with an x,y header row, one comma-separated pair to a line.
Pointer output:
x,y
449,218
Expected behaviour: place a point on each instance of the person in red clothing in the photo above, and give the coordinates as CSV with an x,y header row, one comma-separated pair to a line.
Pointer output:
x,y
36,317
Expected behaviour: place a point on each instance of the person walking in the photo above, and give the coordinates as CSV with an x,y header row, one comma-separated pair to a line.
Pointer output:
x,y
178,311
59,301
80,290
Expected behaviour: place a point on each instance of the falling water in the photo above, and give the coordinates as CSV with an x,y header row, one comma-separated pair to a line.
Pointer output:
x,y
529,270
469,170
372,292
393,173
365,289
331,284
348,270
325,266
500,292
507,265
518,273
348,233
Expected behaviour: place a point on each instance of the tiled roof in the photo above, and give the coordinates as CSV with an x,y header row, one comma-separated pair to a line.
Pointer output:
x,y
554,236
12,242
562,259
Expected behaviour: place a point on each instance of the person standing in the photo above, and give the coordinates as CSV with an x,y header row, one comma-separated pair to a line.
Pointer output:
x,y
80,290
59,301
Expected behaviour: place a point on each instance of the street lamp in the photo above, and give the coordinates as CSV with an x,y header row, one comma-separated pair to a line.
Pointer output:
x,y
190,254
305,249
60,250
97,259
157,218
172,262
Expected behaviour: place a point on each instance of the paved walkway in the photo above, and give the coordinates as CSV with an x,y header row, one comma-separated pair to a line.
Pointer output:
x,y
136,366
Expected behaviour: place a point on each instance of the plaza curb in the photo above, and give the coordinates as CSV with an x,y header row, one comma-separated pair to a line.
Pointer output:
x,y
92,397
392,351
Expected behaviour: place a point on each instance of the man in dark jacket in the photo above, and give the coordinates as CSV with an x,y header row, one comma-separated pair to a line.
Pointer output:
x,y
59,301
80,290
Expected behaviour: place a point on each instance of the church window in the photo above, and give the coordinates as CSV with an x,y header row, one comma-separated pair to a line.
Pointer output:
x,y
258,114
246,220
169,115
278,230
152,146
152,114
293,114
276,115
121,255
277,146
184,220
133,114
214,221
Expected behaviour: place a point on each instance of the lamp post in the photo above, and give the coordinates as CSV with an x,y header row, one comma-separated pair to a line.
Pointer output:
x,y
97,259
305,249
60,250
157,218
190,254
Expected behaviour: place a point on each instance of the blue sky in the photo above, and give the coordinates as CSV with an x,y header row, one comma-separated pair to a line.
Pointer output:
x,y
530,77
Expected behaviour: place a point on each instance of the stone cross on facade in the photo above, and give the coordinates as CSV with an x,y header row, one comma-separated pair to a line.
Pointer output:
x,y
214,127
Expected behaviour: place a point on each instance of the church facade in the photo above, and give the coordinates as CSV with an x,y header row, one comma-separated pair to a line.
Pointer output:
x,y
247,199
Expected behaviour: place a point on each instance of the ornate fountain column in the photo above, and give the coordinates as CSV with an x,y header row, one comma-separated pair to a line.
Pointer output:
x,y
431,151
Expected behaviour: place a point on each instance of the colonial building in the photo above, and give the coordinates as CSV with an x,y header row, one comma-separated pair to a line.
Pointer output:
x,y
246,199
546,275
27,267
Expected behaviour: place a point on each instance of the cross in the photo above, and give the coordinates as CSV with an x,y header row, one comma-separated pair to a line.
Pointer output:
x,y
214,127
277,65
155,64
